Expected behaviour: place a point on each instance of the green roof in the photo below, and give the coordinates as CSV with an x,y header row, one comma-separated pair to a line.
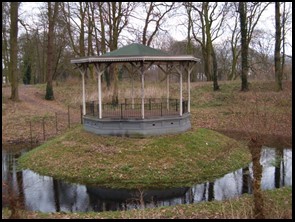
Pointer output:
x,y
135,49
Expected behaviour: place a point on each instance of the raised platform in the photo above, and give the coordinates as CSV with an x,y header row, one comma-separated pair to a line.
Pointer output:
x,y
138,127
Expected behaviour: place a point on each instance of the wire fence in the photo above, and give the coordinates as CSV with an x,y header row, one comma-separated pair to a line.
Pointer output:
x,y
131,109
38,129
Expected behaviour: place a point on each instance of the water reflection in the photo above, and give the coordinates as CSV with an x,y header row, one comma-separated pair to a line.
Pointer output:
x,y
46,194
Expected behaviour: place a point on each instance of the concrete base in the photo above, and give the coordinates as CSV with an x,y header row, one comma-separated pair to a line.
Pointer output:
x,y
138,128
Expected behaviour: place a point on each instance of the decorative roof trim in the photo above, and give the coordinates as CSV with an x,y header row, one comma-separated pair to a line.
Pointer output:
x,y
102,59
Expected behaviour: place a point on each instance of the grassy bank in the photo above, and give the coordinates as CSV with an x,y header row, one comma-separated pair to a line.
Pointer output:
x,y
180,160
277,205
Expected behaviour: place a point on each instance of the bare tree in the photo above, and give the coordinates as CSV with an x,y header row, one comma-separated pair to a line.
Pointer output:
x,y
5,36
189,28
244,44
74,15
260,56
210,24
90,7
250,14
286,28
114,19
224,58
52,15
235,36
277,59
155,18
13,50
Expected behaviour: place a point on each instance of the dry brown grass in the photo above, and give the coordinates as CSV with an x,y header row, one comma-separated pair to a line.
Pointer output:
x,y
226,110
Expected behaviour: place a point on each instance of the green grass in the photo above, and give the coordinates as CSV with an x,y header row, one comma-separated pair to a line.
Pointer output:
x,y
157,162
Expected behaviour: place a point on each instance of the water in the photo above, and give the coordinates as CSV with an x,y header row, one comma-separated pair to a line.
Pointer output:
x,y
45,194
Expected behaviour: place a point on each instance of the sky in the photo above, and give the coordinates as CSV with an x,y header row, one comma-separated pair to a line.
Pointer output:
x,y
178,32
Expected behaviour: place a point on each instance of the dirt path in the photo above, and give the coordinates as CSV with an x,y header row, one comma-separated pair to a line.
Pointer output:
x,y
34,100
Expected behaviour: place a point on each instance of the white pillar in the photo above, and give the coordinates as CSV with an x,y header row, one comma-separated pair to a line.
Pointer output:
x,y
189,91
142,91
180,93
132,91
99,95
98,87
83,92
99,91
167,88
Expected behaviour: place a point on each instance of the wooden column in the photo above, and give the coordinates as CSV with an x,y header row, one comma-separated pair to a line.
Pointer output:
x,y
100,70
189,90
99,95
142,90
179,70
132,91
135,68
83,93
83,72
180,93
189,71
166,71
167,88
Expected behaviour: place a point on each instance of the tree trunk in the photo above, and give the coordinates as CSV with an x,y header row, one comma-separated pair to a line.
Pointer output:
x,y
215,71
115,18
209,47
5,51
208,64
233,73
283,41
103,41
51,19
90,28
244,45
82,38
278,67
13,51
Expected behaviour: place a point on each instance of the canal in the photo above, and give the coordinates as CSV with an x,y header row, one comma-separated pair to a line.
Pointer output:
x,y
46,194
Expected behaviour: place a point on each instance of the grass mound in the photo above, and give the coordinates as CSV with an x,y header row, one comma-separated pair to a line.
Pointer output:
x,y
156,162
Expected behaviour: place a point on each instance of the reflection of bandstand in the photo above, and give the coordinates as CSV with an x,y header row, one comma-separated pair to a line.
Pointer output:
x,y
138,116
127,195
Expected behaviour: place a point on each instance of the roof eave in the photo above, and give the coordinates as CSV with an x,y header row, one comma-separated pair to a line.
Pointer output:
x,y
102,59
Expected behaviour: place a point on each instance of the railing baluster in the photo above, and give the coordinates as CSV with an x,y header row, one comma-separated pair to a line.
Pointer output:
x,y
125,109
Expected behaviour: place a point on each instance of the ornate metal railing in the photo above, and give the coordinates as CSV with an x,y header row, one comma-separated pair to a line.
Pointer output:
x,y
128,109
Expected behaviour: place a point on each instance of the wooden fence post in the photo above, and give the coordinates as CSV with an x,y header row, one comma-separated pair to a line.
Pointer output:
x,y
81,111
31,134
43,120
56,122
69,116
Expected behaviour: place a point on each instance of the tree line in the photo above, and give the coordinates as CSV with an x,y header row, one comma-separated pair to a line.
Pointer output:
x,y
64,30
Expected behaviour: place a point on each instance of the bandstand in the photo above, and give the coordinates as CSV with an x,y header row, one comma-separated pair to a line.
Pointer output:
x,y
137,117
